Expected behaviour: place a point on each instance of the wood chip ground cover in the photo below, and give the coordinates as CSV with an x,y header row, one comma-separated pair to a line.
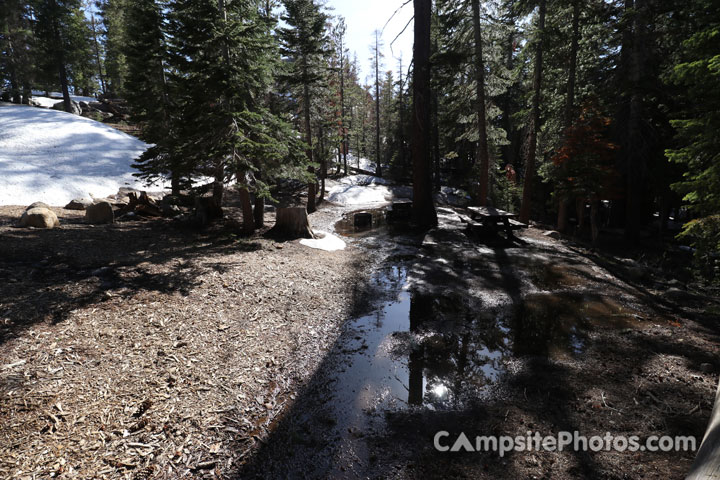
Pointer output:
x,y
138,350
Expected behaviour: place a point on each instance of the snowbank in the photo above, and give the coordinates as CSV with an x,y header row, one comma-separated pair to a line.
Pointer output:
x,y
53,157
57,97
325,241
360,190
359,195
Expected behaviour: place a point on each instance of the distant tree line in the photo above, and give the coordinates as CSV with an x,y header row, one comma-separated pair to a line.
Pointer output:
x,y
552,108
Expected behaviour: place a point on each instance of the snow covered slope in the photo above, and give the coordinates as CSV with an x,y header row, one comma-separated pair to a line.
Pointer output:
x,y
53,157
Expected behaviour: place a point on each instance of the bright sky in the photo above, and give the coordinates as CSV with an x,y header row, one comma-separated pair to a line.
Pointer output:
x,y
363,17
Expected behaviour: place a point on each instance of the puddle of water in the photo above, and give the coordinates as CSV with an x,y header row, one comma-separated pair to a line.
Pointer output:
x,y
444,351
348,225
441,351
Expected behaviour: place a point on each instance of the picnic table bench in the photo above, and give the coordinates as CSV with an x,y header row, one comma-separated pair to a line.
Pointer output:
x,y
492,220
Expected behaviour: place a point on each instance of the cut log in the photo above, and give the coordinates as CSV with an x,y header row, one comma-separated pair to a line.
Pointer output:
x,y
707,461
292,222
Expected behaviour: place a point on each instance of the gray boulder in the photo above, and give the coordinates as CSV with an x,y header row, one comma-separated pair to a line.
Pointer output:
x,y
79,204
74,106
100,212
39,217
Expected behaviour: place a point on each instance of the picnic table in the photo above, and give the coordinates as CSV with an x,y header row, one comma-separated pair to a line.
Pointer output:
x,y
492,220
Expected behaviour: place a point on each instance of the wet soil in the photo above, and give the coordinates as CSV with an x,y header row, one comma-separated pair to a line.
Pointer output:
x,y
497,337
141,350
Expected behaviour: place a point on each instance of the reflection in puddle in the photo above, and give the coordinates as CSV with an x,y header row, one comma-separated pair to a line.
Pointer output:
x,y
443,351
361,222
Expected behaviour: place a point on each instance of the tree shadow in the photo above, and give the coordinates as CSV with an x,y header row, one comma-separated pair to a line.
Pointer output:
x,y
50,273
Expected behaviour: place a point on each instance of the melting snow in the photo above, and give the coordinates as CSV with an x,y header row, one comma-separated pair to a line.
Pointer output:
x,y
325,241
53,157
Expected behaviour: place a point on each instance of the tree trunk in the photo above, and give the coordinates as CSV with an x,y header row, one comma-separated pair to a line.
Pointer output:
x,y
323,164
312,191
219,183
572,70
594,227
423,207
378,157
259,212
526,205
563,208
436,141
635,176
292,222
401,117
343,130
97,55
482,146
247,211
570,103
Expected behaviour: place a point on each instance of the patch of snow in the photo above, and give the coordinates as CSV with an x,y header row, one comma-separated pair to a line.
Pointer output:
x,y
48,102
57,96
325,241
359,194
364,180
53,157
362,163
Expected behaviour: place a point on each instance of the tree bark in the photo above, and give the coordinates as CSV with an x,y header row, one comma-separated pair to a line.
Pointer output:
x,y
323,164
594,227
378,157
401,119
482,147
312,191
97,55
570,103
247,211
259,211
219,183
424,212
292,222
526,205
635,177
343,130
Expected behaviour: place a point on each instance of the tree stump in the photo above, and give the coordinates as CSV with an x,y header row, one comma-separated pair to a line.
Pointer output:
x,y
292,222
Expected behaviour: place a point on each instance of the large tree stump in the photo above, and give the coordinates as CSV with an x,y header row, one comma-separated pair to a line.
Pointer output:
x,y
292,222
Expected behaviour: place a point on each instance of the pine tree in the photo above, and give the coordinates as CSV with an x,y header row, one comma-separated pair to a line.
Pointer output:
x,y
59,29
698,150
148,91
16,41
116,37
304,42
423,205
526,205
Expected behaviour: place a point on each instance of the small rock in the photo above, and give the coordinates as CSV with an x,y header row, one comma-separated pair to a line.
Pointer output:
x,y
39,217
553,234
79,204
101,212
707,368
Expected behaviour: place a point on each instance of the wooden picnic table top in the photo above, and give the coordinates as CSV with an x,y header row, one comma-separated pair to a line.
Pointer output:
x,y
490,212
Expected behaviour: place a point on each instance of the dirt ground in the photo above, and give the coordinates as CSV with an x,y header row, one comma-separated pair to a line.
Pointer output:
x,y
151,350
144,349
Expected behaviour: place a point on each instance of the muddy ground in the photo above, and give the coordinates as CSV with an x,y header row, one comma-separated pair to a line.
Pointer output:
x,y
152,350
